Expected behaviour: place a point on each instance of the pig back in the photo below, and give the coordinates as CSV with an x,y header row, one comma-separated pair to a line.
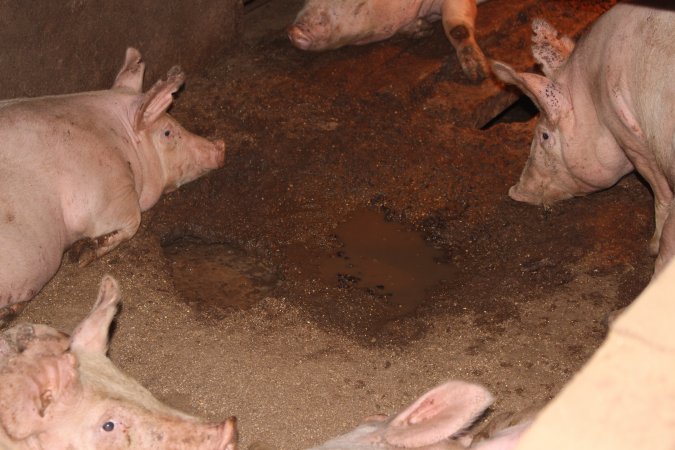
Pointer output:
x,y
628,60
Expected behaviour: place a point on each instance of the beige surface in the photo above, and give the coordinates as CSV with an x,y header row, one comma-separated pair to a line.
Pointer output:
x,y
624,398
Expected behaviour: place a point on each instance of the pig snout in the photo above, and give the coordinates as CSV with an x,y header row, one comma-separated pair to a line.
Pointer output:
x,y
204,436
541,194
298,37
539,186
218,154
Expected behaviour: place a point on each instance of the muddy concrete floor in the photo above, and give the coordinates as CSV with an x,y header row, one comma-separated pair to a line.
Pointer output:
x,y
228,306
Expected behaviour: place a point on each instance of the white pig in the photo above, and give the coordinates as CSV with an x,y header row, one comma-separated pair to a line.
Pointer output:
x,y
328,24
63,393
86,165
438,420
607,108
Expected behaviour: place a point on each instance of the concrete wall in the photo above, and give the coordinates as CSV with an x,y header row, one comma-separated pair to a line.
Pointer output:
x,y
58,46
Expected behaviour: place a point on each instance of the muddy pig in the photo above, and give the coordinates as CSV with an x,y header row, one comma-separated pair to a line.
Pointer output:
x,y
86,165
59,392
328,24
607,108
436,421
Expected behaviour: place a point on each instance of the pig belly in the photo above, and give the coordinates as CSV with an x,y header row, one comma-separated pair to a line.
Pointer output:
x,y
25,268
31,243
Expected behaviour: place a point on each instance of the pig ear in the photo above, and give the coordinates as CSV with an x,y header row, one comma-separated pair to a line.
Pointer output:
x,y
130,75
549,48
440,413
548,95
91,335
30,391
158,99
230,436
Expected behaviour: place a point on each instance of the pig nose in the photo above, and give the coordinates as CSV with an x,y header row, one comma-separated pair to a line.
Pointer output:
x,y
228,432
220,153
220,145
298,37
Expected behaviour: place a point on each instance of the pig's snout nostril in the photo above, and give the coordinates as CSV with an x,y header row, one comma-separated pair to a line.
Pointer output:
x,y
298,37
220,145
219,154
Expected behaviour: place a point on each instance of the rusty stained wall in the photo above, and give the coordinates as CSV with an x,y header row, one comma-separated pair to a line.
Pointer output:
x,y
59,46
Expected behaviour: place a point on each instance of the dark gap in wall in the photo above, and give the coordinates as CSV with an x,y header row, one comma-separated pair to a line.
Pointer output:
x,y
521,111
250,5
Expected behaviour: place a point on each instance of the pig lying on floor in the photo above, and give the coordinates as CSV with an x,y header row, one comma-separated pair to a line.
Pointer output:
x,y
326,24
86,165
59,392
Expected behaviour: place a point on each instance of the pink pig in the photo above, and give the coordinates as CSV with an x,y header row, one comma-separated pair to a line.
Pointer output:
x,y
607,108
60,392
86,165
327,24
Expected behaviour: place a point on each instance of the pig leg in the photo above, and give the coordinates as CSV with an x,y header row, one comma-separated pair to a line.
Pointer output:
x,y
662,210
667,240
663,196
100,245
419,28
459,17
9,313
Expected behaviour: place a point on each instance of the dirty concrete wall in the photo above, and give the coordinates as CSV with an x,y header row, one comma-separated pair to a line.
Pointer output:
x,y
59,46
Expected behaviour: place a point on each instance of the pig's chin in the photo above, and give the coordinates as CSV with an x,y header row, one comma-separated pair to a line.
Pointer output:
x,y
544,197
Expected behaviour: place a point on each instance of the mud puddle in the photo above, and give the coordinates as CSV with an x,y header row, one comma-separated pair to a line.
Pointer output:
x,y
215,279
387,261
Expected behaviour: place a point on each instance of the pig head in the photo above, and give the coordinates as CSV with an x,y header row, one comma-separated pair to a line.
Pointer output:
x,y
59,392
82,167
438,420
569,155
607,107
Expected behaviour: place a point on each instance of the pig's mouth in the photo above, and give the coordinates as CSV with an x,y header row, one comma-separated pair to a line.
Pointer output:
x,y
299,37
544,196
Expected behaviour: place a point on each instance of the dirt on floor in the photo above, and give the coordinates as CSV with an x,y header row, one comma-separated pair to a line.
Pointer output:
x,y
251,292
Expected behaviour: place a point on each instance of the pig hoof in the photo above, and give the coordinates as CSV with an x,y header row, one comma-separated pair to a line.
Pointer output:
x,y
9,313
86,258
82,252
473,64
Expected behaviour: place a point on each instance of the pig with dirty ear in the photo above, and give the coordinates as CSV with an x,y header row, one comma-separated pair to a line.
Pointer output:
x,y
60,392
607,108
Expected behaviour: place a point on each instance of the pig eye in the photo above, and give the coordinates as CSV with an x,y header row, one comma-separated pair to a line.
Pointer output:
x,y
167,133
108,426
545,136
